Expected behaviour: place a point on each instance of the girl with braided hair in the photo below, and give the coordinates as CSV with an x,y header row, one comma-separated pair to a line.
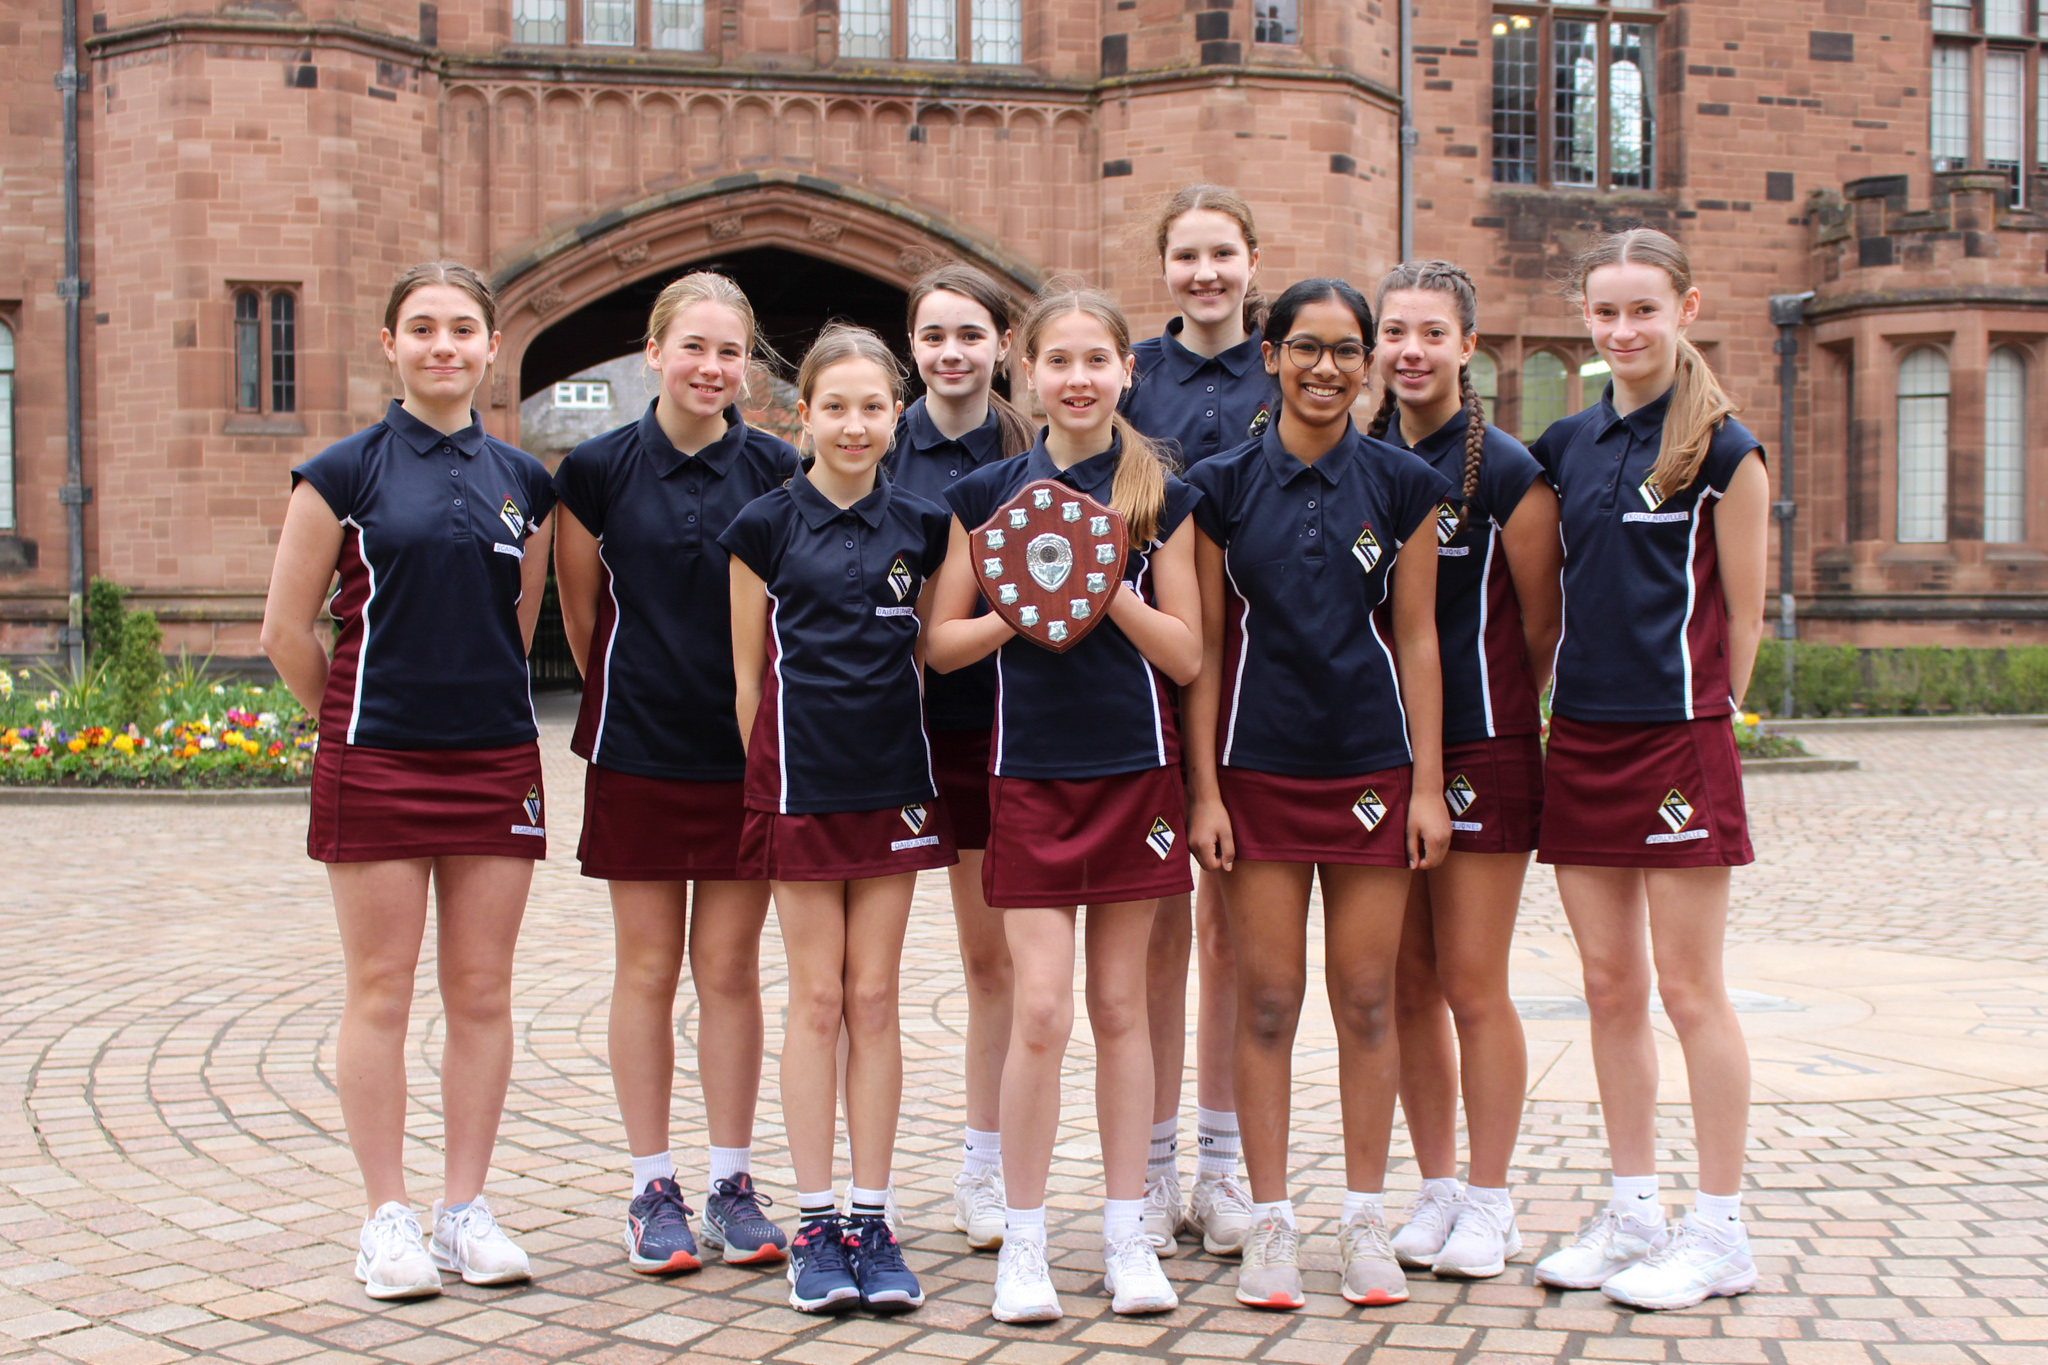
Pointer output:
x,y
1497,614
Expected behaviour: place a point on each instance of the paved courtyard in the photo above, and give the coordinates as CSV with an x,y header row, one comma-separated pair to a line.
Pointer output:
x,y
173,1183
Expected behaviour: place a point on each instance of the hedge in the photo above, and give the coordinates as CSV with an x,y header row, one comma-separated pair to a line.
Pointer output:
x,y
1843,680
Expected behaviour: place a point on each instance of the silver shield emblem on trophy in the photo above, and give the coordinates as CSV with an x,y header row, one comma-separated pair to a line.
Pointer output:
x,y
1050,558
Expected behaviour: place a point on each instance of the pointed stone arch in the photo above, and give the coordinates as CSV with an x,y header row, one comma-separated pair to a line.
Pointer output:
x,y
831,221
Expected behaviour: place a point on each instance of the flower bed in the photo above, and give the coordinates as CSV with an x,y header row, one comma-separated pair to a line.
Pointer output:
x,y
56,733
1754,739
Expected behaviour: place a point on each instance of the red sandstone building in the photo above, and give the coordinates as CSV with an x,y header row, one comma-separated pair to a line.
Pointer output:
x,y
253,174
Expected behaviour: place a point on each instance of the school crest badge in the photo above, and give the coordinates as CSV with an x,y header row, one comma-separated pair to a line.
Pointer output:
x,y
513,518
530,808
1446,523
1366,549
1675,810
1369,809
1259,423
1652,496
1458,794
1048,560
901,579
1160,840
916,816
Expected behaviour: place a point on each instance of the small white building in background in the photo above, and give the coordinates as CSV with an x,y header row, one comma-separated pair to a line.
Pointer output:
x,y
588,403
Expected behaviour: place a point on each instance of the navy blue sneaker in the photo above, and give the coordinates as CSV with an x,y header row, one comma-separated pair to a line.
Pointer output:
x,y
886,1284
734,1221
820,1269
658,1240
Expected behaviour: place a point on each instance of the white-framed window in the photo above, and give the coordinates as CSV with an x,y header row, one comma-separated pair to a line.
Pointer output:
x,y
930,36
864,28
1953,16
998,32
540,22
1276,21
1923,447
1543,393
678,25
583,393
2004,124
2006,17
608,23
7,522
1948,130
2005,447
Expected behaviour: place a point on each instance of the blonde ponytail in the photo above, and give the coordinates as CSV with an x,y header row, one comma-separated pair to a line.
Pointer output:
x,y
1698,406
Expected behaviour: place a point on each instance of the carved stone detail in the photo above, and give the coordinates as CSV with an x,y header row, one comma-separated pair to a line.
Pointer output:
x,y
630,256
723,229
547,300
825,229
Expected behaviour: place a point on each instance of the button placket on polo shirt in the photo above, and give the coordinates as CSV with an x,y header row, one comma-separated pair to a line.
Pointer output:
x,y
459,527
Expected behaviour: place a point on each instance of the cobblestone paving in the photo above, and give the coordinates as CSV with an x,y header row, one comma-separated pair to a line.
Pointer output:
x,y
172,1182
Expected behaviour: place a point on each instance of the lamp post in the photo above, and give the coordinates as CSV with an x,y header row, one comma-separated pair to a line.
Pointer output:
x,y
1788,311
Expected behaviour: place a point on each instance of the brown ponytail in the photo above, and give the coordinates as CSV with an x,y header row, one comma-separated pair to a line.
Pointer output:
x,y
1698,402
1475,443
1138,489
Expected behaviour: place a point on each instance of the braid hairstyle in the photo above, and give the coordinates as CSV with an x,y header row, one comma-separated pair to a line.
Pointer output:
x,y
1442,277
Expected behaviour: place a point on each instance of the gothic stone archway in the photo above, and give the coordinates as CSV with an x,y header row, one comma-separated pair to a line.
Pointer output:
x,y
803,214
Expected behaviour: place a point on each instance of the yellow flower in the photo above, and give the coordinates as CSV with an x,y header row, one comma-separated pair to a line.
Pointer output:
x,y
124,744
76,746
1751,718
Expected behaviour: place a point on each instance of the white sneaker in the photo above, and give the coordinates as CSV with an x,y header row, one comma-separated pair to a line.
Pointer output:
x,y
471,1244
1607,1245
1220,1210
393,1262
1024,1291
1481,1240
1429,1223
978,1202
1694,1263
1162,1216
1132,1278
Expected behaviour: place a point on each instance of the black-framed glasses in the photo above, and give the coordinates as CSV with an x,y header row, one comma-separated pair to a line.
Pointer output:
x,y
1307,354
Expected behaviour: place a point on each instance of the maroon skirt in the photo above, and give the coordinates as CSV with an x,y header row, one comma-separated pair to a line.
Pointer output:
x,y
376,805
1659,795
960,766
1360,820
846,846
1056,843
652,829
1494,788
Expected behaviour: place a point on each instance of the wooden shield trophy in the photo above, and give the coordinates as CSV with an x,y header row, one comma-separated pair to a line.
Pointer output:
x,y
1047,562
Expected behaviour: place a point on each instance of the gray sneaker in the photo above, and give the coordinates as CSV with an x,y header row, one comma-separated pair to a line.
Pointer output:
x,y
1371,1274
1162,1217
1270,1274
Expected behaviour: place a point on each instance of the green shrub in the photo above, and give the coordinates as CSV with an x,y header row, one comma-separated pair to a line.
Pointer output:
x,y
103,614
125,649
2026,679
1840,680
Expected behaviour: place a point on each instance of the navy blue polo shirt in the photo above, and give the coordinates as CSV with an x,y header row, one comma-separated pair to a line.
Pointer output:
x,y
1203,405
659,698
1645,626
929,463
1100,708
1309,685
841,725
1488,688
429,654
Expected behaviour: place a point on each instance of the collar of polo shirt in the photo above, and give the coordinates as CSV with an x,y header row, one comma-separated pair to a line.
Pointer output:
x,y
717,457
1288,467
1434,444
1184,363
923,433
1091,476
817,509
425,440
1645,422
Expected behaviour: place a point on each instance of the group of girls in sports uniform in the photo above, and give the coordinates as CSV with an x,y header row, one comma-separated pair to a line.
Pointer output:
x,y
1323,664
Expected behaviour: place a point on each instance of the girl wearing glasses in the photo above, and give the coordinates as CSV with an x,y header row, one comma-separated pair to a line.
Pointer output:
x,y
1315,739
1200,389
1497,606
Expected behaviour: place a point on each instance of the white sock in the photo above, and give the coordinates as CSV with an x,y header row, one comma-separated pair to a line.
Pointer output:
x,y
1446,1185
1027,1224
1481,1194
1358,1201
1165,1146
1121,1218
1216,1143
729,1163
1721,1212
1637,1198
816,1204
1283,1209
867,1203
980,1152
647,1169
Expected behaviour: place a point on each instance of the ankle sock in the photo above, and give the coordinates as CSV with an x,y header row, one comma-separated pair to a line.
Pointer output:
x,y
1026,1224
728,1163
862,1203
1483,1194
1121,1218
1445,1185
648,1169
1216,1143
1165,1146
1358,1201
980,1152
1638,1199
1721,1212
1283,1209
815,1205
